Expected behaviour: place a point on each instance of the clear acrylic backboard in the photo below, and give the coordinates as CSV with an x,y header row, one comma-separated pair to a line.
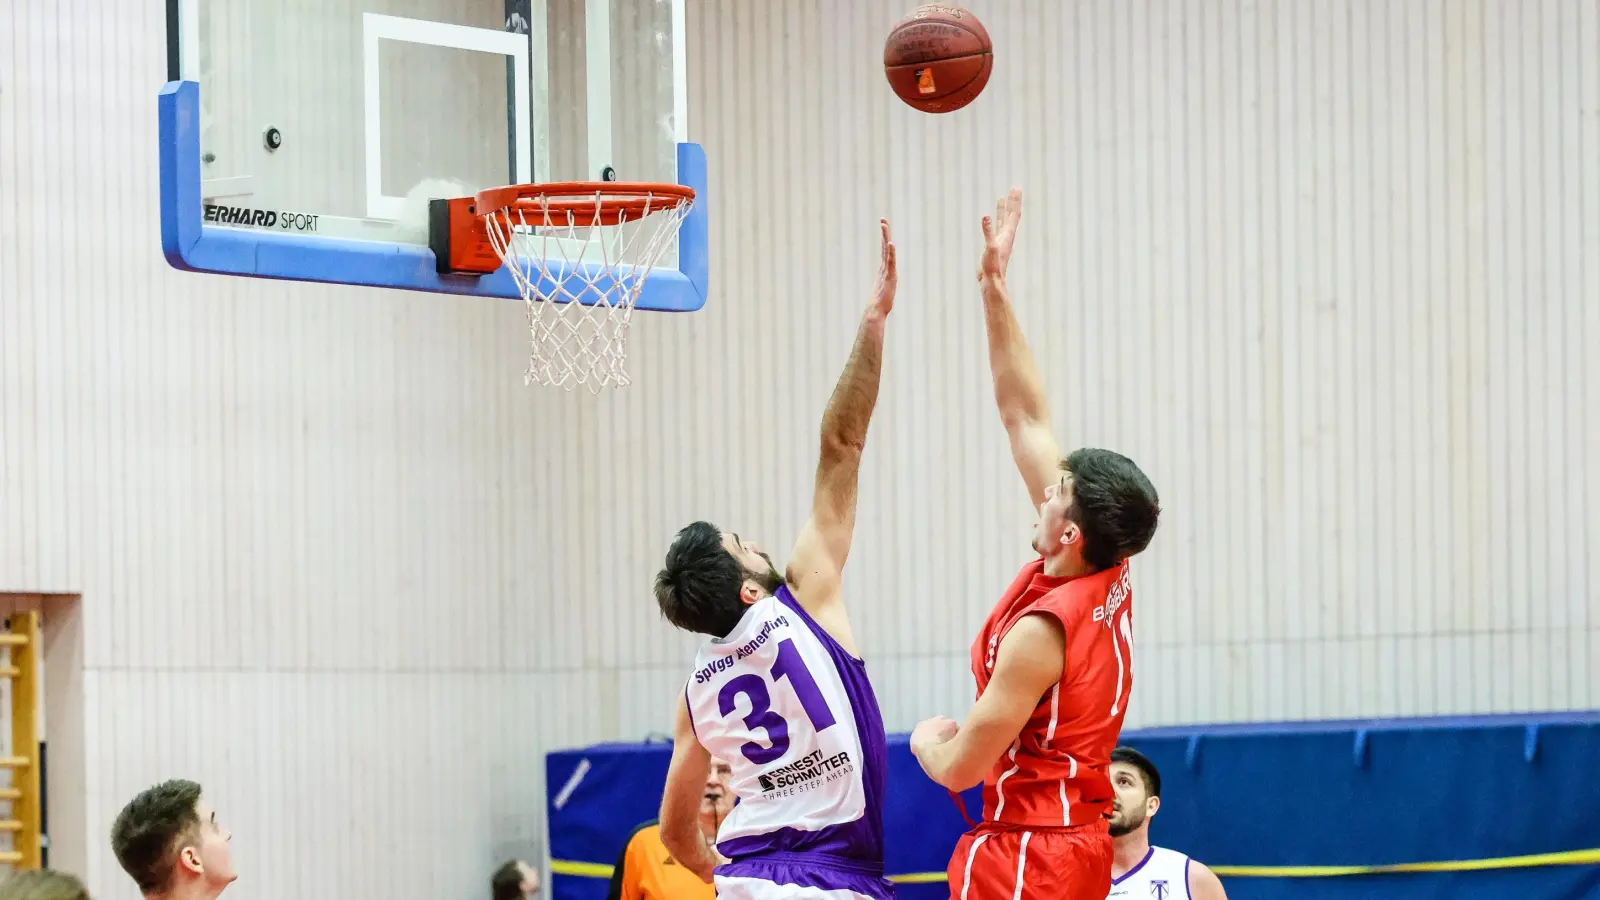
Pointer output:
x,y
305,140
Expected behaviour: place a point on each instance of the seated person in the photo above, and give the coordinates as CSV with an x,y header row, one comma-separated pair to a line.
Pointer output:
x,y
646,871
516,880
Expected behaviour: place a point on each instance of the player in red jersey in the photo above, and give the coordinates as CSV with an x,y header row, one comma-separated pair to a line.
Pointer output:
x,y
1054,661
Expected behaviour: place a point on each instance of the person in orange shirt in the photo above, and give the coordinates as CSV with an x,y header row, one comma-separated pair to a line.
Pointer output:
x,y
646,871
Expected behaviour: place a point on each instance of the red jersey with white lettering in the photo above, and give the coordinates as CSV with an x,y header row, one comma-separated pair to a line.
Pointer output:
x,y
1055,773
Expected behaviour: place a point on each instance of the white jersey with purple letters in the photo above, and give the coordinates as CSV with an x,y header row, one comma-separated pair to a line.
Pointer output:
x,y
1162,875
795,717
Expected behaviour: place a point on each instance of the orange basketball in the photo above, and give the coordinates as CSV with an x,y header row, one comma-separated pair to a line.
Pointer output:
x,y
938,58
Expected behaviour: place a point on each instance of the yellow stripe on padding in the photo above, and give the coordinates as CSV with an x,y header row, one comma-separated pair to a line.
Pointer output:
x,y
1563,858
919,878
580,869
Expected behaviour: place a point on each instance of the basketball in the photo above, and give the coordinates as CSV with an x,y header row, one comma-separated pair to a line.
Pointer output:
x,y
938,58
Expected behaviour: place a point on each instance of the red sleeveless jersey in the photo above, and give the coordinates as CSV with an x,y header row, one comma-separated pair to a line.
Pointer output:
x,y
1055,773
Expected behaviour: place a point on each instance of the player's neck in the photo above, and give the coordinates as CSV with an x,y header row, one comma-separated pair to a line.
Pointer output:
x,y
195,890
1066,565
1128,850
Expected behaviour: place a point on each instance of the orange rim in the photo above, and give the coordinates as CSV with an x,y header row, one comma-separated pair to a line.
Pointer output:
x,y
582,202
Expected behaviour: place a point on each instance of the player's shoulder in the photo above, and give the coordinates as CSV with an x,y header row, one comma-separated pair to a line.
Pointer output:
x,y
1203,884
1171,865
1034,631
1164,857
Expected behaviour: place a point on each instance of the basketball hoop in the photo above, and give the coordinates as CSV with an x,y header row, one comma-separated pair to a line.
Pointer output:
x,y
565,245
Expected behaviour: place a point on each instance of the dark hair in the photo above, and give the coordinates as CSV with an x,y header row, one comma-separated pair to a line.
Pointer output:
x,y
507,882
1114,503
153,828
42,884
1147,769
698,587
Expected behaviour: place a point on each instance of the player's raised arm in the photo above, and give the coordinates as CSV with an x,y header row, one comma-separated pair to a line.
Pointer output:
x,y
1028,664
1018,389
819,554
680,801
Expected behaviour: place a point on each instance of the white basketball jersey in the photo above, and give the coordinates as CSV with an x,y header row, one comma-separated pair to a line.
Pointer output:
x,y
1163,875
794,716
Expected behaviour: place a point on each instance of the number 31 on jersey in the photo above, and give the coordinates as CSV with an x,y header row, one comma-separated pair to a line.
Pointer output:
x,y
752,686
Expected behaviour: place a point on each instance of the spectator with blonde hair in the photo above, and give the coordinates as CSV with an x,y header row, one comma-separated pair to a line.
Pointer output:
x,y
42,884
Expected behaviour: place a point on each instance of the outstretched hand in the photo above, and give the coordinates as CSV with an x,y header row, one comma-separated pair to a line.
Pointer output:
x,y
999,234
888,275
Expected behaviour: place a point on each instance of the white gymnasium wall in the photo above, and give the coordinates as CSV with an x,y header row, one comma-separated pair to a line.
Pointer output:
x,y
1325,271
319,532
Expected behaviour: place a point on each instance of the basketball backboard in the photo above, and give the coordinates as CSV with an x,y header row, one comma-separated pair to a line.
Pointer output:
x,y
303,140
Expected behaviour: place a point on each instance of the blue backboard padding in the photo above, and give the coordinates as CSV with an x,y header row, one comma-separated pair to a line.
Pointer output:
x,y
1287,794
191,245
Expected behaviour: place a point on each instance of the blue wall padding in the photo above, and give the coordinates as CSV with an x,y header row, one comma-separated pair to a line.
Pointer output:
x,y
1303,794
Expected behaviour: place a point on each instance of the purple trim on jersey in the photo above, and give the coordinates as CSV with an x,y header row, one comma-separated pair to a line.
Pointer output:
x,y
1129,874
814,870
859,840
1186,894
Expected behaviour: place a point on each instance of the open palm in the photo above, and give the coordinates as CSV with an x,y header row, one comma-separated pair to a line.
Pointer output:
x,y
888,275
999,234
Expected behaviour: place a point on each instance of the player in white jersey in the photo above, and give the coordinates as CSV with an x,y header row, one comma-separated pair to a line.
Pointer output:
x,y
1140,871
780,691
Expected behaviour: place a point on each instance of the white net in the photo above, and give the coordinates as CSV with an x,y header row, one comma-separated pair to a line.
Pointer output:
x,y
581,264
